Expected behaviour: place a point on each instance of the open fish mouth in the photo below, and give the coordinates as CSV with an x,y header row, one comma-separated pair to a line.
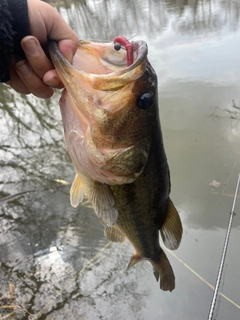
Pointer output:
x,y
102,60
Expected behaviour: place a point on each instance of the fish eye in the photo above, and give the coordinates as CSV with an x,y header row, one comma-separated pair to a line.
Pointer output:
x,y
145,101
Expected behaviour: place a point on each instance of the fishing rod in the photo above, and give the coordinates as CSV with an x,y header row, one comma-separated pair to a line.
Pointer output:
x,y
214,298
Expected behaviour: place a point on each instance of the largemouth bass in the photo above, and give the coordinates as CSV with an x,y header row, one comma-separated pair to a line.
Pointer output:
x,y
112,132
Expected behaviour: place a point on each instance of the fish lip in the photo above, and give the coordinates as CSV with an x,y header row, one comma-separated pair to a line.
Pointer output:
x,y
139,47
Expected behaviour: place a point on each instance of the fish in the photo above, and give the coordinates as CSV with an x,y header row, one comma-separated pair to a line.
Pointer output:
x,y
113,135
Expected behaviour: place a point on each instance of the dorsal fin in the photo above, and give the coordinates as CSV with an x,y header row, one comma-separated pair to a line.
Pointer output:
x,y
171,230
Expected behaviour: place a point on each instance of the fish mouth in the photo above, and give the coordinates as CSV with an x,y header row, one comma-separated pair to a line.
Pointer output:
x,y
114,59
100,64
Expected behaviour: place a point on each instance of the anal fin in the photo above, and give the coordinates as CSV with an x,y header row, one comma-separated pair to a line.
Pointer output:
x,y
134,259
113,234
171,230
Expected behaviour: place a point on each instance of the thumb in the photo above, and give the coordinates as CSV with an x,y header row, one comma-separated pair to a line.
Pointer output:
x,y
68,48
60,31
46,23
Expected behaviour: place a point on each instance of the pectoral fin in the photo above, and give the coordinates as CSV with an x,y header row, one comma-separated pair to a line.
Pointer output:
x,y
113,234
100,195
171,230
76,191
103,202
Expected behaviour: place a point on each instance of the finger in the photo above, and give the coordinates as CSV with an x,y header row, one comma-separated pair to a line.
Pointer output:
x,y
59,30
36,56
51,25
66,49
32,82
39,61
51,79
15,82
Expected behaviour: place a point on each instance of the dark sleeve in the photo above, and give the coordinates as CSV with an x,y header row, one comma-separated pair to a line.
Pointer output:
x,y
13,27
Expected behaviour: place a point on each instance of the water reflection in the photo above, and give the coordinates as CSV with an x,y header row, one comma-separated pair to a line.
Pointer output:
x,y
104,19
193,46
32,150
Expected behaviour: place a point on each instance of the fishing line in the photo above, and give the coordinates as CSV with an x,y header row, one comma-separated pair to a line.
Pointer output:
x,y
19,194
198,275
215,294
132,36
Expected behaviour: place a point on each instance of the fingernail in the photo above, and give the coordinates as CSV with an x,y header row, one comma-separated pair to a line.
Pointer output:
x,y
31,47
54,82
23,68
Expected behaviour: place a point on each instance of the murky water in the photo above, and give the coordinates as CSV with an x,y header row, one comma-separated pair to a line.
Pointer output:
x,y
56,257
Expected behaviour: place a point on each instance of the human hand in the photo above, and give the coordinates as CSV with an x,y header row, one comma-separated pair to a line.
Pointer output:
x,y
37,75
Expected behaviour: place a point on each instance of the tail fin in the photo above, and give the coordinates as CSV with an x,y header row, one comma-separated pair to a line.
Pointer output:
x,y
161,268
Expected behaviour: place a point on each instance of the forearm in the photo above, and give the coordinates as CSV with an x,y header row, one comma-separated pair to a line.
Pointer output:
x,y
14,26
